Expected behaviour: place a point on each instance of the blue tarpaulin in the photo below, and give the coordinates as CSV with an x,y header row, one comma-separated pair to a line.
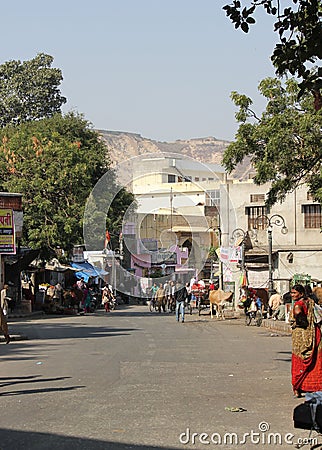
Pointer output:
x,y
87,270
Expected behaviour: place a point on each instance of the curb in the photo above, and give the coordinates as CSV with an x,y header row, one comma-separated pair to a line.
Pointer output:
x,y
26,315
278,326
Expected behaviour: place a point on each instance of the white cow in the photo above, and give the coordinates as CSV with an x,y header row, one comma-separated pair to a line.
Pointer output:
x,y
218,298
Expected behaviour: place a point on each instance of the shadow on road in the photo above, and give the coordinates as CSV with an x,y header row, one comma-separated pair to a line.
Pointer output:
x,y
9,381
49,330
34,379
15,439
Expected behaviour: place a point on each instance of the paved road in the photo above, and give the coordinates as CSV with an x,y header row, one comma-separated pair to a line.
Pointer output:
x,y
136,380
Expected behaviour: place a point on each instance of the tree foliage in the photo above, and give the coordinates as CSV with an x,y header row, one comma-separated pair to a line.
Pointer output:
x,y
300,32
29,90
285,143
54,163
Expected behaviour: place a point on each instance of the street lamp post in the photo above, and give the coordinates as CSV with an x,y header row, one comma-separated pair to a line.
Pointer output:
x,y
221,271
236,234
278,220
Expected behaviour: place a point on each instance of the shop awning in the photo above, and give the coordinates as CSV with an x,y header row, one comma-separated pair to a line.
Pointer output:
x,y
87,270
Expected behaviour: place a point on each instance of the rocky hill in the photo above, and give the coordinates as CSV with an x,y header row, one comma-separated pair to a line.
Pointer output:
x,y
122,146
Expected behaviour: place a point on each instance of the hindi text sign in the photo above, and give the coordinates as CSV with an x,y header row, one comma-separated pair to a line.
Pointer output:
x,y
7,232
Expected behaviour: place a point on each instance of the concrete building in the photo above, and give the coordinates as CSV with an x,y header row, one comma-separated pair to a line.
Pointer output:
x,y
192,205
297,251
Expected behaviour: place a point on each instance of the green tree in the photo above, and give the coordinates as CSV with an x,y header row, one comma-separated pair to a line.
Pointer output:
x,y
54,163
29,90
300,37
284,144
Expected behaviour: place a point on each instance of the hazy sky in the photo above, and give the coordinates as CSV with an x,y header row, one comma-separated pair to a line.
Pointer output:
x,y
160,68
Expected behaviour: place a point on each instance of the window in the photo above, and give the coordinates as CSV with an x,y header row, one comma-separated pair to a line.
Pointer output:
x,y
254,198
196,178
312,216
253,212
171,178
213,198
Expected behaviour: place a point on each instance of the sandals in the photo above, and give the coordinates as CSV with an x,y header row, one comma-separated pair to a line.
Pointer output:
x,y
297,394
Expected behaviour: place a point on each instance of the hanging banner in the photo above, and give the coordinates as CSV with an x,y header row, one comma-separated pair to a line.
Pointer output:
x,y
7,232
230,254
224,254
234,254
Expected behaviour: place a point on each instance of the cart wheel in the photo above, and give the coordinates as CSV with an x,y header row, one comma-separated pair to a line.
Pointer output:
x,y
259,321
248,320
151,306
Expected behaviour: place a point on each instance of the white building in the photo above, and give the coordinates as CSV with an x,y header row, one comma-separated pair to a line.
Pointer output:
x,y
186,196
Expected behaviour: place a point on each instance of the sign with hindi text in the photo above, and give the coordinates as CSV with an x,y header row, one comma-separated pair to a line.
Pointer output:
x,y
7,232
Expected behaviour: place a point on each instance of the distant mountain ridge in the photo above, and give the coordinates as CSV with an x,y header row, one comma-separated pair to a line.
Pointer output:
x,y
123,145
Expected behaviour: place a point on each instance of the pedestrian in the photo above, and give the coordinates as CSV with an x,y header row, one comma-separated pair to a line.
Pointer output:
x,y
87,300
188,292
4,313
306,344
171,299
309,293
279,314
274,302
106,299
160,298
81,284
180,296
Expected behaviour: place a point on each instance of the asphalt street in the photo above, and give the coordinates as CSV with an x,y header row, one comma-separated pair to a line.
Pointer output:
x,y
132,379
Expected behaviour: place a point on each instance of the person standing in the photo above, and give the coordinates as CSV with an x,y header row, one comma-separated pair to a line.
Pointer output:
x,y
180,296
87,298
106,299
274,302
160,298
306,344
4,313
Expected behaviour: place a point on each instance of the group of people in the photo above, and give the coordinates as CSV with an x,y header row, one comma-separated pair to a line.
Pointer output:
x,y
84,293
164,296
171,296
250,301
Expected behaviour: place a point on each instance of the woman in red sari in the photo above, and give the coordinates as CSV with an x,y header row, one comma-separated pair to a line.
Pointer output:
x,y
306,345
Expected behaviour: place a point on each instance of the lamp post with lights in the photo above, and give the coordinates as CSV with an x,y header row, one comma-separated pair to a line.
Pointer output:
x,y
237,234
269,222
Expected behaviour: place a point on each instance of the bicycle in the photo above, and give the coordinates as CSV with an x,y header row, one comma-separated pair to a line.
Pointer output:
x,y
255,317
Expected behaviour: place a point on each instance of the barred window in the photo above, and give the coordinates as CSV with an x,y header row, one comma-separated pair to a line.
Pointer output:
x,y
171,178
312,216
254,198
213,198
253,212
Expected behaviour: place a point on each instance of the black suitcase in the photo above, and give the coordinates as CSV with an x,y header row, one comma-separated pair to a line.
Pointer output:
x,y
302,417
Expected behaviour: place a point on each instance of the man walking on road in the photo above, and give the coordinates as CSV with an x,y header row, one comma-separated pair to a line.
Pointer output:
x,y
180,295
4,313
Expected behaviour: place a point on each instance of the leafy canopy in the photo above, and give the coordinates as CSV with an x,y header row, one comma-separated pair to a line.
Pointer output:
x,y
300,33
54,163
29,90
285,143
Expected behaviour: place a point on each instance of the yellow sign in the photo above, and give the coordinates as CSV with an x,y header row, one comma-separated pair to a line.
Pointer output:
x,y
7,232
